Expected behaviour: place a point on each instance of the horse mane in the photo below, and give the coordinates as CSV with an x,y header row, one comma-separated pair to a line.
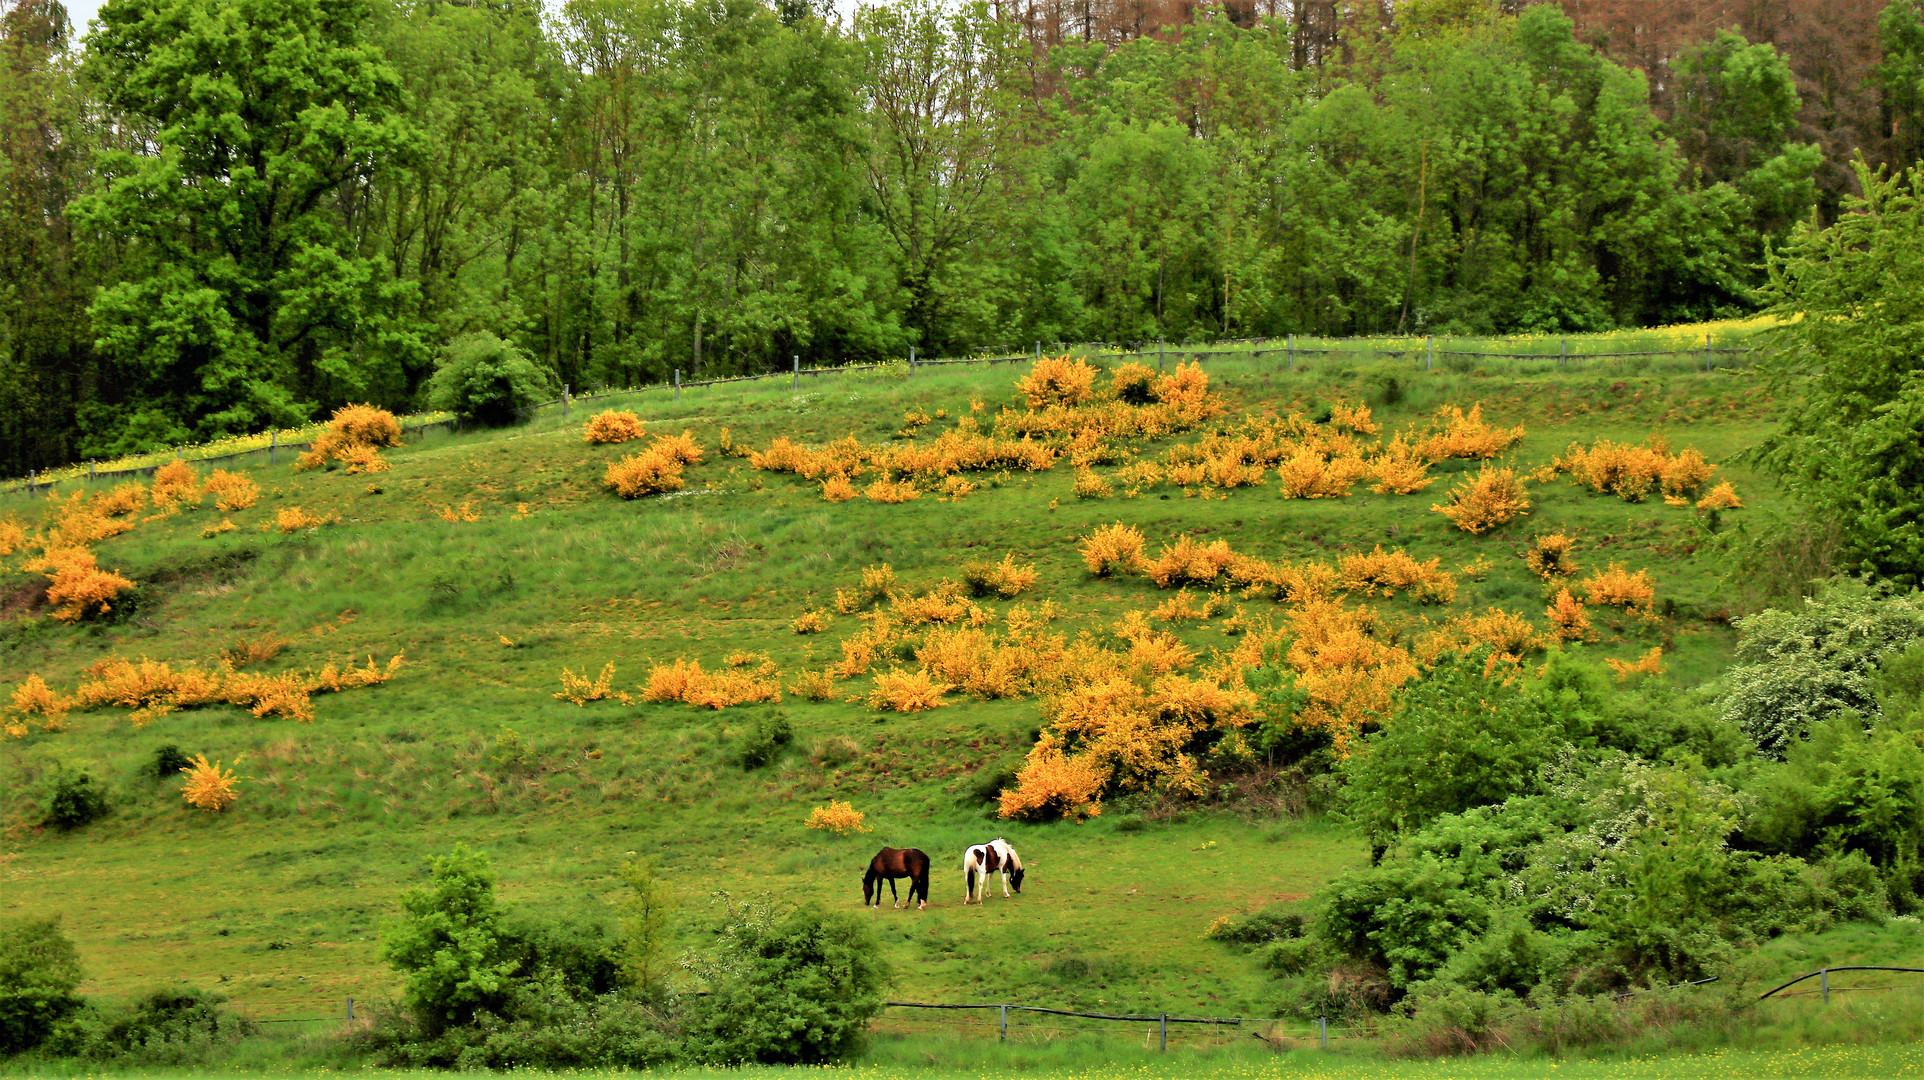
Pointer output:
x,y
1015,861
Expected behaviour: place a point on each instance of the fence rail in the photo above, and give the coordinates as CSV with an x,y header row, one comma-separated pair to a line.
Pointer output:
x,y
1424,352
1822,975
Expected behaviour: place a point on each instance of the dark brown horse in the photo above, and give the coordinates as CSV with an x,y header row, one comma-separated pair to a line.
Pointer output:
x,y
891,863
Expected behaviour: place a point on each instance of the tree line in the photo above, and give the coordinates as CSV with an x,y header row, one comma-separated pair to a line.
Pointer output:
x,y
218,215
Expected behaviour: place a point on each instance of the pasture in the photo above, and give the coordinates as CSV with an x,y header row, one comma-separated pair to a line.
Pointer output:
x,y
493,560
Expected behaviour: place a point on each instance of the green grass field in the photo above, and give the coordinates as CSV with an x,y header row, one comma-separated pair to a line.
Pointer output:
x,y
279,902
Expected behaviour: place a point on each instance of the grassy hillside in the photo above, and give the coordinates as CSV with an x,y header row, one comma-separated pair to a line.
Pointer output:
x,y
278,902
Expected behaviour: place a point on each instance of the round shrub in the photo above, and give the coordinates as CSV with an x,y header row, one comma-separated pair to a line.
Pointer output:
x,y
39,971
71,797
793,988
483,378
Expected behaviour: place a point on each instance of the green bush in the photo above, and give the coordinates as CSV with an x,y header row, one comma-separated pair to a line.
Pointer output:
x,y
483,378
450,946
1458,739
39,972
787,988
168,761
765,740
179,1025
1795,668
71,797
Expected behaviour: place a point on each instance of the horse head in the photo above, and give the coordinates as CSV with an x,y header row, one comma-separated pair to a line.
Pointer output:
x,y
871,887
1015,879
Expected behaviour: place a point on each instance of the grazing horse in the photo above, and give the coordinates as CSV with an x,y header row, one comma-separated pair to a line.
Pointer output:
x,y
891,863
982,860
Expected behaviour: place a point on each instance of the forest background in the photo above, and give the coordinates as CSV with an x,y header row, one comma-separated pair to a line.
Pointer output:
x,y
218,216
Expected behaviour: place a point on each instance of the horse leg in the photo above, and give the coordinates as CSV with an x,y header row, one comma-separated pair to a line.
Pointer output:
x,y
894,897
1005,883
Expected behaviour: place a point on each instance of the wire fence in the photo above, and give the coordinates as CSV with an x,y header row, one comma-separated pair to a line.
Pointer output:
x,y
1288,351
1160,1029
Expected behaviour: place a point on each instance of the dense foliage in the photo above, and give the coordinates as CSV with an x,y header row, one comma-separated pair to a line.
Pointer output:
x,y
631,187
1540,834
488,987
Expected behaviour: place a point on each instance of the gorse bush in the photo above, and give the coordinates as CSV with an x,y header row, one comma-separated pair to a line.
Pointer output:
x,y
1491,498
353,437
612,426
76,585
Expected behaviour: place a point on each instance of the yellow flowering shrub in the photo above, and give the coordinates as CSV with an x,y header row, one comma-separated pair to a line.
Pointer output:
x,y
1058,380
361,459
1721,497
76,585
1466,435
612,426
646,473
122,500
680,447
1112,549
1006,579
1651,664
839,818
1491,498
1190,561
176,486
354,435
810,622
889,491
32,698
78,521
837,489
1352,416
209,787
953,488
685,681
1615,586
1549,556
292,519
232,491
1400,468
1632,472
465,513
1390,572
13,535
580,689
811,685
1308,474
1052,785
1090,486
906,691
1566,613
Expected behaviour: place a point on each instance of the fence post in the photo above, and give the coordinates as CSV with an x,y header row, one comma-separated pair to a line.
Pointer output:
x,y
1004,1010
1038,351
1162,1029
677,384
1158,354
911,359
1706,350
1322,1030
797,386
180,453
564,401
30,476
1292,352
1823,979
1429,360
273,444
90,470
350,1009
1563,360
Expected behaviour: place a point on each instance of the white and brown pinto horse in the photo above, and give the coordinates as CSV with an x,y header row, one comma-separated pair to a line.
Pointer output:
x,y
984,860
